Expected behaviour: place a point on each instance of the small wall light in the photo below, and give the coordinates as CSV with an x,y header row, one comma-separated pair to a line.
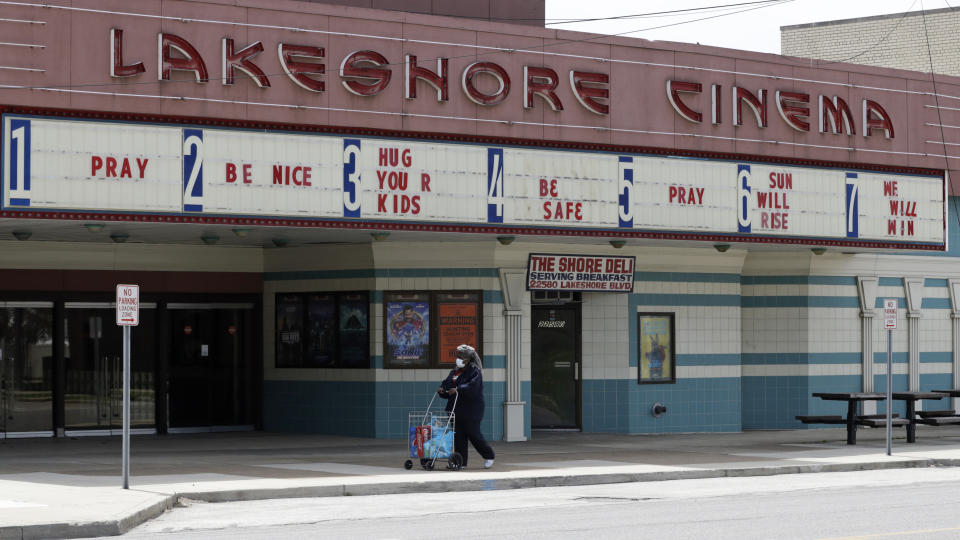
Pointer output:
x,y
380,236
280,242
505,240
119,237
22,235
818,250
210,239
94,227
241,232
618,243
722,248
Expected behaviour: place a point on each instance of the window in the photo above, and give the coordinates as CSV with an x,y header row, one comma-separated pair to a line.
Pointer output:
x,y
657,354
316,330
423,329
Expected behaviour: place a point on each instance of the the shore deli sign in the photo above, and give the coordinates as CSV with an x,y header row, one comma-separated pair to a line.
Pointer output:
x,y
116,167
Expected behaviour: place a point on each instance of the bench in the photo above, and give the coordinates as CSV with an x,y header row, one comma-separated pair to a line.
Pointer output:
x,y
821,419
932,414
939,420
882,422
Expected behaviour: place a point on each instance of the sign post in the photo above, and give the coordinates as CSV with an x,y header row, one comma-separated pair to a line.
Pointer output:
x,y
128,314
889,324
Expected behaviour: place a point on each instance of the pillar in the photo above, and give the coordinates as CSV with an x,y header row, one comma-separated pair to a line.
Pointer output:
x,y
512,283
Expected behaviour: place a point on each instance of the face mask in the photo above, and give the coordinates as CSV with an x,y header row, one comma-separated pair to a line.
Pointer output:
x,y
460,363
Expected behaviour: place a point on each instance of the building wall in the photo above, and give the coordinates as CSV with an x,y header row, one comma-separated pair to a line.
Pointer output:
x,y
528,12
893,41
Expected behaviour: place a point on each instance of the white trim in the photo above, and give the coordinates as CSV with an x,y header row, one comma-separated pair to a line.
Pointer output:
x,y
26,434
107,432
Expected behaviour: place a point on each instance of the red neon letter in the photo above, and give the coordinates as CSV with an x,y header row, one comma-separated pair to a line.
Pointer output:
x,y
191,61
588,95
495,71
117,69
673,94
875,117
758,105
300,72
414,72
834,112
362,73
791,114
241,60
541,82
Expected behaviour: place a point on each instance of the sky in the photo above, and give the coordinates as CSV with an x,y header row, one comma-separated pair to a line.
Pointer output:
x,y
753,27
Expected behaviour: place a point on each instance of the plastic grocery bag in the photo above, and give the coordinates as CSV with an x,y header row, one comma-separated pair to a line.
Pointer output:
x,y
439,446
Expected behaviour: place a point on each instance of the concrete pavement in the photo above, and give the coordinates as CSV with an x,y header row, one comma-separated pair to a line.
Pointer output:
x,y
63,488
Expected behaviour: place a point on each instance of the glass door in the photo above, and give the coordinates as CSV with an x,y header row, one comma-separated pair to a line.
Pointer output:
x,y
210,377
26,369
555,367
93,354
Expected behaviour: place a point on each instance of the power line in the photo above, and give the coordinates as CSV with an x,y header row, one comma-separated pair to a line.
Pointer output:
x,y
651,14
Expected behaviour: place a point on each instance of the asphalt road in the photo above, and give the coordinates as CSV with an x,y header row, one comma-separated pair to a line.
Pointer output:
x,y
900,503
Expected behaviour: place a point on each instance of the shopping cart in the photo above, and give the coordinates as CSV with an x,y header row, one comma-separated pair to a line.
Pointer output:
x,y
431,438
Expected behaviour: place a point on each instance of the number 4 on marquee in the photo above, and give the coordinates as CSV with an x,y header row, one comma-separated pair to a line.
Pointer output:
x,y
495,196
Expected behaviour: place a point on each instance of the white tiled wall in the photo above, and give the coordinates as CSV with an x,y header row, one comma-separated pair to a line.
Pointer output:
x,y
606,337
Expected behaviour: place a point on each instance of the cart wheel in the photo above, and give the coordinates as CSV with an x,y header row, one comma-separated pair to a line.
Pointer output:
x,y
424,462
408,464
428,464
455,463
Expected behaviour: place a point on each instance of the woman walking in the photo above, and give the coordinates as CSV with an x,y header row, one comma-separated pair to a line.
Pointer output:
x,y
466,382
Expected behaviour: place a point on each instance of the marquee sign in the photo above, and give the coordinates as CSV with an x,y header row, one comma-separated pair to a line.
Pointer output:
x,y
52,164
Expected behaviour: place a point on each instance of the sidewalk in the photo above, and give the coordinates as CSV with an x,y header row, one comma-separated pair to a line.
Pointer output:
x,y
62,488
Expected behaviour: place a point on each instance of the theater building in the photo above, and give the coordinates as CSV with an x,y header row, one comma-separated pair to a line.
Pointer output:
x,y
319,202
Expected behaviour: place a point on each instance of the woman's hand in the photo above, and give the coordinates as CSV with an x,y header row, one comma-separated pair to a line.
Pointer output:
x,y
452,391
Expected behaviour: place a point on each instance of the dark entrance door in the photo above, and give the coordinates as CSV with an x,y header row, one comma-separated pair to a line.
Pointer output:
x,y
210,371
93,354
555,367
26,369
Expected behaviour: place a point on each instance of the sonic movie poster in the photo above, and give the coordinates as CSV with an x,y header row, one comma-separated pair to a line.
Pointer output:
x,y
408,332
656,356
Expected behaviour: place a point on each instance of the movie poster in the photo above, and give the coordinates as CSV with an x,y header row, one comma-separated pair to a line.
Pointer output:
x,y
354,330
321,345
407,330
289,318
657,355
458,323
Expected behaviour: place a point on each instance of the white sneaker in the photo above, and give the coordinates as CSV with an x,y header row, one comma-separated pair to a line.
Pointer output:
x,y
487,464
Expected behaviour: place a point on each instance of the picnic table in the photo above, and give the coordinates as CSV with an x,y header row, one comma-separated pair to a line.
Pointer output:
x,y
852,420
911,398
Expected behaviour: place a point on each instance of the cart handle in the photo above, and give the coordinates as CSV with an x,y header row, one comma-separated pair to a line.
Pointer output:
x,y
430,406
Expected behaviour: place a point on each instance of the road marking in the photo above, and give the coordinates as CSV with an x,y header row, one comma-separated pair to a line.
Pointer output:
x,y
880,535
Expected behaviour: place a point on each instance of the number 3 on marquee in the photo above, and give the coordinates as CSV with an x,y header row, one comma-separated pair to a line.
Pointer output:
x,y
495,185
193,170
351,178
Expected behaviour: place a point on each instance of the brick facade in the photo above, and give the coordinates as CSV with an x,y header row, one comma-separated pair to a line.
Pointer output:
x,y
894,41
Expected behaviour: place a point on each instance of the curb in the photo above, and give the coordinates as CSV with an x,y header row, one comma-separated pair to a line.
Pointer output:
x,y
122,525
93,528
550,480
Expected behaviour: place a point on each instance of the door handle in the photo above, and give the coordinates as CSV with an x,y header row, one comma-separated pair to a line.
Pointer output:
x,y
576,371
